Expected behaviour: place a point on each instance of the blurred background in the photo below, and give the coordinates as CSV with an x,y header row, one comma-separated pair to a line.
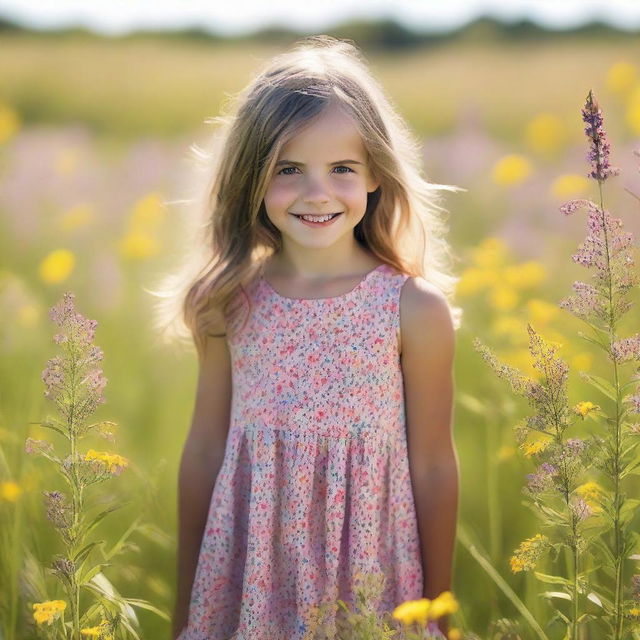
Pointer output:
x,y
99,105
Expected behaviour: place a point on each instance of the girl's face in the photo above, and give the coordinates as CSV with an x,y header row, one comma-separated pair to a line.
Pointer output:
x,y
322,170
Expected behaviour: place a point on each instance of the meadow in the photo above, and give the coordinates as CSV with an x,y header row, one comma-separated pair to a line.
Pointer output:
x,y
94,165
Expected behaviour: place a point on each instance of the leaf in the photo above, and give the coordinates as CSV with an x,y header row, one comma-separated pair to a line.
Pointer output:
x,y
143,604
600,384
101,515
595,599
92,572
552,579
556,594
84,552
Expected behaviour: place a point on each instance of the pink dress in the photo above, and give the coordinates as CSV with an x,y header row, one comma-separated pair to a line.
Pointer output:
x,y
314,489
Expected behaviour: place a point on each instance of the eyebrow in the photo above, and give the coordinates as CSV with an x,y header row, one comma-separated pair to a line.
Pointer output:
x,y
301,164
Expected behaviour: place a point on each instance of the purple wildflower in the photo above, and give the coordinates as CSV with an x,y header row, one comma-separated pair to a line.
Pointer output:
x,y
626,349
608,249
581,509
541,479
599,152
58,509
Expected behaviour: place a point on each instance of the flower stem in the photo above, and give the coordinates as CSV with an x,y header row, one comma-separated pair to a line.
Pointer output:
x,y
617,528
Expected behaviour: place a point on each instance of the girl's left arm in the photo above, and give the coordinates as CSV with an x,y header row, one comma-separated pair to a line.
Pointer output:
x,y
428,344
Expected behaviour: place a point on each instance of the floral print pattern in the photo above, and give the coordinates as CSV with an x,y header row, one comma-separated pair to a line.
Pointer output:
x,y
314,489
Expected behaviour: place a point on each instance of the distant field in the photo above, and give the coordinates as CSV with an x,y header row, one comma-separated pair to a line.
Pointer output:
x,y
157,87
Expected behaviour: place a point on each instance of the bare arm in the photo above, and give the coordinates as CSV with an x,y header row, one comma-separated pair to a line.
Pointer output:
x,y
201,460
428,339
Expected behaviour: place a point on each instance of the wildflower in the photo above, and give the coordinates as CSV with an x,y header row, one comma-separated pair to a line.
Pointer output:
x,y
542,479
626,349
580,508
541,312
454,634
599,153
33,446
114,463
48,611
545,133
490,254
64,568
56,266
634,612
443,605
9,122
139,245
58,509
621,77
511,169
101,631
10,491
413,611
585,408
589,490
531,448
634,402
635,586
569,185
527,554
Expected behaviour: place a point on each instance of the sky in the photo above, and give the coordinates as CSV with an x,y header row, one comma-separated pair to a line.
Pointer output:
x,y
232,17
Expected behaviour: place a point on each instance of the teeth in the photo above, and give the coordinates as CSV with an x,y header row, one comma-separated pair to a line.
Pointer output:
x,y
317,218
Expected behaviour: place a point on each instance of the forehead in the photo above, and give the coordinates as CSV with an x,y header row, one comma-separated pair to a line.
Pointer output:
x,y
333,132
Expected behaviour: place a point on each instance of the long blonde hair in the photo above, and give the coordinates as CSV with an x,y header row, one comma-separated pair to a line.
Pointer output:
x,y
403,226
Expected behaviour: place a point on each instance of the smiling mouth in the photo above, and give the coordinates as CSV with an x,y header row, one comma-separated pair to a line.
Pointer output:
x,y
316,215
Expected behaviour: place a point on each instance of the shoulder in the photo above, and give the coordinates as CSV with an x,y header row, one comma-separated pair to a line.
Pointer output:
x,y
425,319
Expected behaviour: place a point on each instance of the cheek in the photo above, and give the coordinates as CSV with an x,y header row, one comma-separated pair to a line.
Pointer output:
x,y
277,197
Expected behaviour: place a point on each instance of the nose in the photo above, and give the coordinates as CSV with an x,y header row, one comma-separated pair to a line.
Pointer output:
x,y
315,191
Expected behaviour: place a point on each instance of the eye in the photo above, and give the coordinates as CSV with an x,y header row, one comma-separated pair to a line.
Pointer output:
x,y
281,172
342,166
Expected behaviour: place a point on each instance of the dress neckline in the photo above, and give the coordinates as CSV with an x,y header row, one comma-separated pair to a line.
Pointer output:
x,y
341,296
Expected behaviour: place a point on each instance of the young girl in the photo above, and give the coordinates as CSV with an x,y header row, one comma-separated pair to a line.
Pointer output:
x,y
320,449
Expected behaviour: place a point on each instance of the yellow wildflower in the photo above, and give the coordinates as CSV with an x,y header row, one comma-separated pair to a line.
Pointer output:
x,y
545,133
589,491
491,253
454,634
9,122
503,298
48,611
621,76
633,110
634,612
475,279
413,611
585,408
101,631
443,605
147,212
569,185
533,447
511,169
10,491
526,555
581,361
57,266
114,462
525,275
139,244
541,312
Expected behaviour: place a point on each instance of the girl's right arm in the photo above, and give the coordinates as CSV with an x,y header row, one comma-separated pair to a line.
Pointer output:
x,y
201,460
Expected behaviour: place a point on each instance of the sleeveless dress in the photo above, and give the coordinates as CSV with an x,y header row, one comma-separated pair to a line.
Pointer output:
x,y
314,490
